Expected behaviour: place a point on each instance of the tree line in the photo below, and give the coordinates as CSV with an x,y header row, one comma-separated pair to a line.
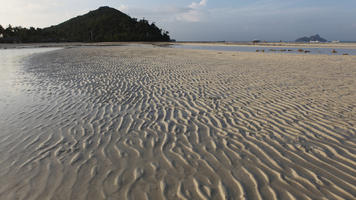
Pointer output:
x,y
142,32
20,34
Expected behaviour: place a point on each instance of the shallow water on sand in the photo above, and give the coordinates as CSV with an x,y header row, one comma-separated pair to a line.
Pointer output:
x,y
287,50
160,123
14,81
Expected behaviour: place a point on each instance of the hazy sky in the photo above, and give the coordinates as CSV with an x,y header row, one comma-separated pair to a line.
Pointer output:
x,y
230,20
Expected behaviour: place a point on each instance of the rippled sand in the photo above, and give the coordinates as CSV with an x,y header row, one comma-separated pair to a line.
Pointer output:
x,y
159,123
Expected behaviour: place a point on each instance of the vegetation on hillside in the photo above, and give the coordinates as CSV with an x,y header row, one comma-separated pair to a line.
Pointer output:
x,y
102,25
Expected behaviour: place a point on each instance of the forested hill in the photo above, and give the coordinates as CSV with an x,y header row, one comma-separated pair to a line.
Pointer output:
x,y
102,25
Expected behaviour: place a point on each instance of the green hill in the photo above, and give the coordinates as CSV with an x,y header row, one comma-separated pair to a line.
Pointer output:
x,y
102,25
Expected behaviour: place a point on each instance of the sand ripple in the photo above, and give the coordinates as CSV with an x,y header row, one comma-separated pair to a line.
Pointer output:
x,y
156,123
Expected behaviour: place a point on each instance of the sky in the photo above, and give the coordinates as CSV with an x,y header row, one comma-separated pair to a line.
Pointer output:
x,y
205,20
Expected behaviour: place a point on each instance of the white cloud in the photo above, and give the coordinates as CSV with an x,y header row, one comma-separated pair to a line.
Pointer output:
x,y
194,12
39,13
190,16
123,8
195,5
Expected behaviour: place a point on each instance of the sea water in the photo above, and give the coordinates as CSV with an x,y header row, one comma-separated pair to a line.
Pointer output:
x,y
271,49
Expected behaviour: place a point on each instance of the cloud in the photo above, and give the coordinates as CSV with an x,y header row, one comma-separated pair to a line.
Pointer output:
x,y
190,16
195,5
123,8
40,13
194,12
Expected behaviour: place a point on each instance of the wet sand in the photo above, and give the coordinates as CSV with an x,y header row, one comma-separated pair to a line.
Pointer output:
x,y
161,123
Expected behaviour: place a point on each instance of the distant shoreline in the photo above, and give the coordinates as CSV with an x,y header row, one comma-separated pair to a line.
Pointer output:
x,y
350,45
276,44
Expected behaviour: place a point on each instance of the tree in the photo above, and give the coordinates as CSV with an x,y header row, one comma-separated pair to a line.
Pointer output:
x,y
1,32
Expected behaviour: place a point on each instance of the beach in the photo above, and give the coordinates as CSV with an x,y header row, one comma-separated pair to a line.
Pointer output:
x,y
146,122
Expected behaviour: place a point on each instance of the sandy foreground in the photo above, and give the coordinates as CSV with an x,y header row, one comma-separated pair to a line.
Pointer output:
x,y
161,123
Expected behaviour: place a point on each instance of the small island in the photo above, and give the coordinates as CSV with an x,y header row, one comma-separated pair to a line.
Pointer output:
x,y
313,38
105,24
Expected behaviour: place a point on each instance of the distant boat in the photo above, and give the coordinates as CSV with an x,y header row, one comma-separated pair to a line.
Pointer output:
x,y
336,41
